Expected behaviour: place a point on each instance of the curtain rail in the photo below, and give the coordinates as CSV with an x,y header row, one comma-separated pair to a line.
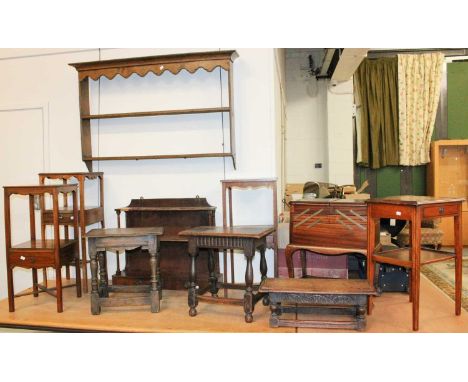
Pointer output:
x,y
450,52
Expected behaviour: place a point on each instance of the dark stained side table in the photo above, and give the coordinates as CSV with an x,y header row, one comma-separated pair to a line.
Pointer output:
x,y
245,238
121,239
414,209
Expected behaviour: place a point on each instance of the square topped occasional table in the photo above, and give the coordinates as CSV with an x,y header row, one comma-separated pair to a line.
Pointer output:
x,y
414,209
121,239
246,238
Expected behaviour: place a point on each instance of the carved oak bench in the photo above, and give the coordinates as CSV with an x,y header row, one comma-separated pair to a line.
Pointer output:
x,y
320,296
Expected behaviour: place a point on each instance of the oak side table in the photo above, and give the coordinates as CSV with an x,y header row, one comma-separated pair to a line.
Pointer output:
x,y
121,239
414,209
245,238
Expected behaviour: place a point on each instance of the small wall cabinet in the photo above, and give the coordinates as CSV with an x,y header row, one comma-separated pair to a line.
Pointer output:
x,y
157,65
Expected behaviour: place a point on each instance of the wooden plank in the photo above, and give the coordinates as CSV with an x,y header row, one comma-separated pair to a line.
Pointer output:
x,y
170,156
125,301
351,324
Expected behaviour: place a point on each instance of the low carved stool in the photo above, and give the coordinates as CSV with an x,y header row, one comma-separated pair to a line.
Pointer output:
x,y
324,296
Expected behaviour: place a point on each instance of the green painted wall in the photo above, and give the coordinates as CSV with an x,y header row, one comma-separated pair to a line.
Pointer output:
x,y
457,100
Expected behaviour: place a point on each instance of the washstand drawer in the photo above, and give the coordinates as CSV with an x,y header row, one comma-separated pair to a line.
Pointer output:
x,y
37,260
64,217
437,211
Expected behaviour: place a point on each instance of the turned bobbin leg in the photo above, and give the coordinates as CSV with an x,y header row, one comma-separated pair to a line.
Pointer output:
x,y
213,280
249,252
263,271
193,287
95,306
103,282
154,294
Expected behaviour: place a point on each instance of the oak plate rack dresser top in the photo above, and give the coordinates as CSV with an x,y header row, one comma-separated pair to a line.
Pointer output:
x,y
157,65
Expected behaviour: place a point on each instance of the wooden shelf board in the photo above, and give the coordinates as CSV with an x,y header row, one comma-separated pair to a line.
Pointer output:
x,y
157,113
402,256
169,156
42,244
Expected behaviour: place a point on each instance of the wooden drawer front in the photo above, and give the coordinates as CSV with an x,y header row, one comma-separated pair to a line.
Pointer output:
x,y
391,212
308,222
440,210
37,260
65,218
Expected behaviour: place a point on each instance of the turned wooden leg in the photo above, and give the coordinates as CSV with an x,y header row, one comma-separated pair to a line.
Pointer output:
x,y
263,271
158,272
213,280
415,256
59,290
95,306
275,313
154,294
102,290
248,295
44,277
193,287
34,278
11,292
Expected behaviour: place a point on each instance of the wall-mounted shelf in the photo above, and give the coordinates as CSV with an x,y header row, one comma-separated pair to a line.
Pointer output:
x,y
157,65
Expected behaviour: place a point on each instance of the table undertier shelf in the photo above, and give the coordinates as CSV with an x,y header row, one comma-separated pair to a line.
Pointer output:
x,y
42,244
401,257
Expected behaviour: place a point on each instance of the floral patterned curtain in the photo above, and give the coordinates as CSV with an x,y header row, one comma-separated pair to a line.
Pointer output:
x,y
419,77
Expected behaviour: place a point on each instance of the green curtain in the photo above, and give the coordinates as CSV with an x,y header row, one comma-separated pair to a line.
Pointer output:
x,y
376,91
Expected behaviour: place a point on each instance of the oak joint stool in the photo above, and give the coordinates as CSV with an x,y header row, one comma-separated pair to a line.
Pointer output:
x,y
121,239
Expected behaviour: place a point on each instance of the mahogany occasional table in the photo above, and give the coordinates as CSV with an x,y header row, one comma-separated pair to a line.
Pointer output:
x,y
246,238
121,239
41,253
414,209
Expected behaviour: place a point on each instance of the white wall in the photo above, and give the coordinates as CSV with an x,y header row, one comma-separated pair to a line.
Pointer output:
x,y
319,124
340,133
306,127
48,80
